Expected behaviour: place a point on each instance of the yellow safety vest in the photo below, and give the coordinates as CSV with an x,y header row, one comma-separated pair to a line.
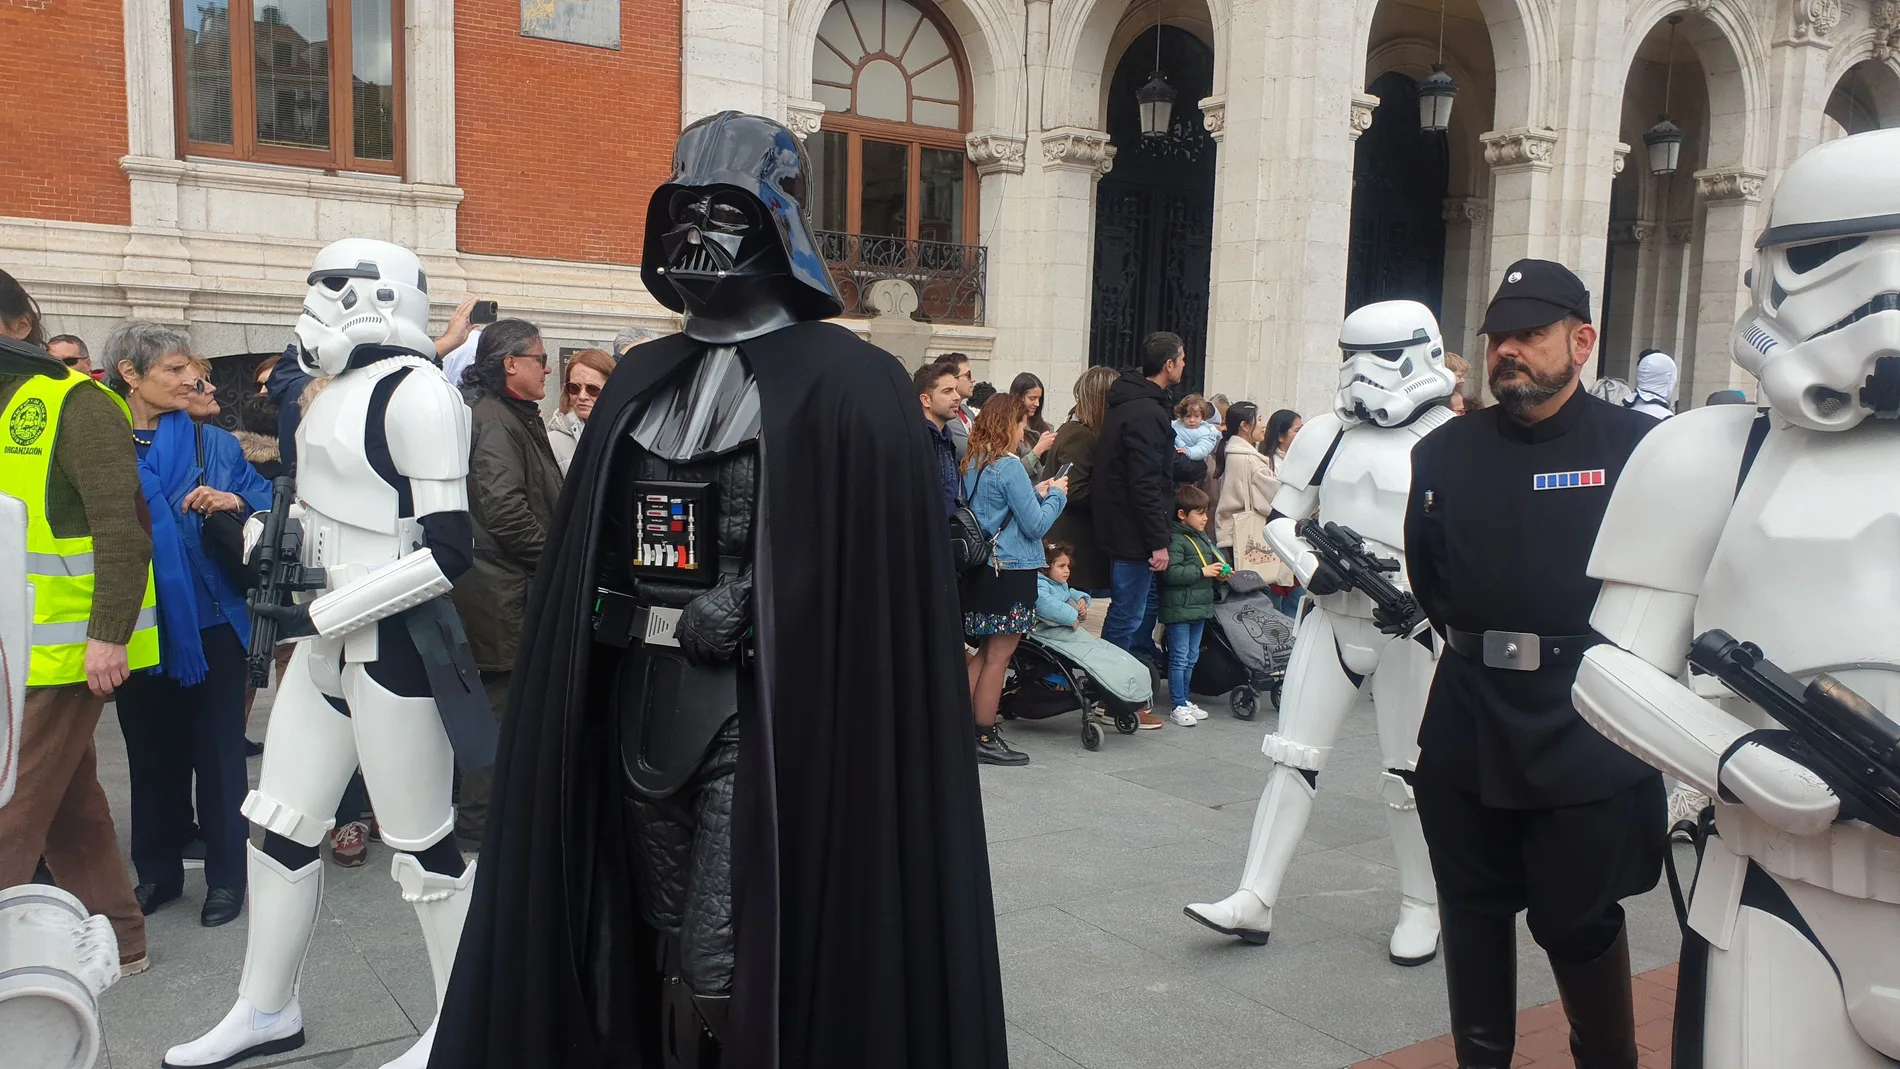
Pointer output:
x,y
60,569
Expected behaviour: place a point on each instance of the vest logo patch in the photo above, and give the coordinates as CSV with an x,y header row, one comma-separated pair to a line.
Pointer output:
x,y
1564,480
28,422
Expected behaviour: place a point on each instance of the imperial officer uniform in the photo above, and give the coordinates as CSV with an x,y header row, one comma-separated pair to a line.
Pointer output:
x,y
1524,805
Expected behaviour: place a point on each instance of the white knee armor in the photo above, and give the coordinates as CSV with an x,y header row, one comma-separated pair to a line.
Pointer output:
x,y
1353,466
388,407
1784,530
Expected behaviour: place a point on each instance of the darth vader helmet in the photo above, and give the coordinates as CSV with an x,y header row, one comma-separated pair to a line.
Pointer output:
x,y
727,241
1823,334
1392,364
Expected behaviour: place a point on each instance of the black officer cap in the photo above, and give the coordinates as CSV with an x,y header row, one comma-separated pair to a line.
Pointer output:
x,y
1535,293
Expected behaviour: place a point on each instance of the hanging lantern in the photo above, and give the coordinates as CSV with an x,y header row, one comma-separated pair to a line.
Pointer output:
x,y
1435,95
1664,141
1157,106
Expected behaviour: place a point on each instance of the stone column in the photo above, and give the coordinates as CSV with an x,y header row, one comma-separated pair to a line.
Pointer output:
x,y
156,273
1467,244
1798,89
1284,203
729,57
1633,263
1729,197
1054,252
1521,212
1008,208
1670,328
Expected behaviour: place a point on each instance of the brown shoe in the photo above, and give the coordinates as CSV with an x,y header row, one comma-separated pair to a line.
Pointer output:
x,y
134,965
349,844
1149,720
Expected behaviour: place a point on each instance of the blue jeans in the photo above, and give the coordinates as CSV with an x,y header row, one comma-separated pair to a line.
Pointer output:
x,y
1184,648
1289,602
1131,613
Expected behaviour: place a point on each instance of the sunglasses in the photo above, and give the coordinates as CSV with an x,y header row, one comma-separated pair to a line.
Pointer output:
x,y
71,361
202,386
574,389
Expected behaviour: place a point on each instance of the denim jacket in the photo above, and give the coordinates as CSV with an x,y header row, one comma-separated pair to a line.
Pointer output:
x,y
1003,491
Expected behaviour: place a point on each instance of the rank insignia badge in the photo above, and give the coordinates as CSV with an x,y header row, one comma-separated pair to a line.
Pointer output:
x,y
1565,480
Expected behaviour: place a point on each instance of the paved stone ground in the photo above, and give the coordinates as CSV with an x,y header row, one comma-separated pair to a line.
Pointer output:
x,y
1093,856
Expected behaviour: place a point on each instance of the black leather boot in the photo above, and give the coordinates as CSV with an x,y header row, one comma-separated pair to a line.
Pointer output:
x,y
1597,1001
992,750
1481,978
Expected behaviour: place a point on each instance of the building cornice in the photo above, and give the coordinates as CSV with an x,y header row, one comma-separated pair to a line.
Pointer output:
x,y
1074,149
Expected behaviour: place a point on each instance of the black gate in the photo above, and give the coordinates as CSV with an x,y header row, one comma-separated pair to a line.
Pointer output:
x,y
1399,174
1154,212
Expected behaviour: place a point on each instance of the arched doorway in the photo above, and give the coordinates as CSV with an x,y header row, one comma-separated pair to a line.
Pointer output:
x,y
1154,212
1399,176
1866,98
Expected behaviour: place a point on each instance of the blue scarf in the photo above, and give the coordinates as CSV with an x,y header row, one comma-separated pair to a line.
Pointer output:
x,y
167,474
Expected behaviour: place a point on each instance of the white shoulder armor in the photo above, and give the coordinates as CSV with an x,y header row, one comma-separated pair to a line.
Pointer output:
x,y
1672,501
427,424
1315,441
1430,420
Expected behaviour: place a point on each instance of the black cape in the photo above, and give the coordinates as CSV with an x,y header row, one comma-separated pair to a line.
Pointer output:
x,y
866,931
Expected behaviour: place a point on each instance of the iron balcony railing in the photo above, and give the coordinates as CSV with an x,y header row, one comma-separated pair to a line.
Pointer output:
x,y
948,278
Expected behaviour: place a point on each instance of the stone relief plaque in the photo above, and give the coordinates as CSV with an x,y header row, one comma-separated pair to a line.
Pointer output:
x,y
581,22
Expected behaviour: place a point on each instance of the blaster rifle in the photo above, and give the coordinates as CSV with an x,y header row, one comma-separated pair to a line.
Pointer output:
x,y
278,558
1834,732
1343,551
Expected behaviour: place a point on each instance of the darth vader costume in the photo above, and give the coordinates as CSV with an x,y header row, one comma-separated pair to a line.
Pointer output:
x,y
735,818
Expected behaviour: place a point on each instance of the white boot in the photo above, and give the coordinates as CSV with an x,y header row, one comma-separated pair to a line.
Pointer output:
x,y
1279,823
1415,939
441,906
266,1019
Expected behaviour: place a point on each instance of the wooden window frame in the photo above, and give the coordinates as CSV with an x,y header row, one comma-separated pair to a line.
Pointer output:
x,y
916,136
244,145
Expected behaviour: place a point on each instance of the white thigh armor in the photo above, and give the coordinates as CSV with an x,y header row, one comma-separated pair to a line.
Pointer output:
x,y
1801,912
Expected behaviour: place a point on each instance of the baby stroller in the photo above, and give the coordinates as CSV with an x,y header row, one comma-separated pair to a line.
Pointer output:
x,y
1245,648
1056,670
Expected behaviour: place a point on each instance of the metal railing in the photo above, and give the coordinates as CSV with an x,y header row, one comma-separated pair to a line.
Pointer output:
x,y
949,278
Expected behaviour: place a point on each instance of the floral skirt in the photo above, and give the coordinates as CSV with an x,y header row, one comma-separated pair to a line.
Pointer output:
x,y
998,604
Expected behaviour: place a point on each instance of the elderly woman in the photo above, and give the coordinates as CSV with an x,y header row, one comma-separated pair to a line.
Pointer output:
x,y
187,715
587,373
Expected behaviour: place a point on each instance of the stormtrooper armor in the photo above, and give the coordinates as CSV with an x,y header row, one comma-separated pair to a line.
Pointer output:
x,y
383,458
1782,529
727,246
1354,466
55,961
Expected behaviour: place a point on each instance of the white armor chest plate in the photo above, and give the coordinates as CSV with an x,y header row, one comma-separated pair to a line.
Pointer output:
x,y
1366,484
352,516
1808,565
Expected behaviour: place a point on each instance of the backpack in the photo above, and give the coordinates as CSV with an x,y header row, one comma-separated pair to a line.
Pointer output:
x,y
971,547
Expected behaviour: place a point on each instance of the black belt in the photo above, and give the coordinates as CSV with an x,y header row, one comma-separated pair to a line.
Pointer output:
x,y
1519,651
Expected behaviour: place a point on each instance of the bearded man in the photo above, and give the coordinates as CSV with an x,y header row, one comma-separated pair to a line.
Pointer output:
x,y
1524,805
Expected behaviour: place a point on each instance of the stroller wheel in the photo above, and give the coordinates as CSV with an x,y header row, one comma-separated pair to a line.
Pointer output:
x,y
1243,703
1091,735
1274,694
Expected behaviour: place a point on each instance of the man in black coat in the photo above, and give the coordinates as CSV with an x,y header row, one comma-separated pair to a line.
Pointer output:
x,y
1133,483
735,821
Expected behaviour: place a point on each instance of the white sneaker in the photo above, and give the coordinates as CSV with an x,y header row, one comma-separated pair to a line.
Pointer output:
x,y
1184,716
1199,713
245,1032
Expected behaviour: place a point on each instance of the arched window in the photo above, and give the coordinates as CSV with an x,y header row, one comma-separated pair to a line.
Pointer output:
x,y
890,160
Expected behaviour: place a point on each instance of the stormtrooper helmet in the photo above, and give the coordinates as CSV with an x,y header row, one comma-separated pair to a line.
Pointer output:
x,y
363,293
1823,333
1394,364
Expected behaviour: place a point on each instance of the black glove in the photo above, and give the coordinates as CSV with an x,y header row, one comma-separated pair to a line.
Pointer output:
x,y
293,621
712,624
1325,580
1399,621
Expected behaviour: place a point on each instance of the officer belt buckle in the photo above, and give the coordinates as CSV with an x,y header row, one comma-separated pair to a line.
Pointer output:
x,y
1518,651
661,623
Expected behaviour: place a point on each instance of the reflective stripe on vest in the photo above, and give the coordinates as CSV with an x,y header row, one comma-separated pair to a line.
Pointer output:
x,y
60,569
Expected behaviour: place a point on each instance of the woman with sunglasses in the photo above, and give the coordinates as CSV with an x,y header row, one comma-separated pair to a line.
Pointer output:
x,y
587,373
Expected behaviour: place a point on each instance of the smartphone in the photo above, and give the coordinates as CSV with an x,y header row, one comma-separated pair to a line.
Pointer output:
x,y
1063,471
484,312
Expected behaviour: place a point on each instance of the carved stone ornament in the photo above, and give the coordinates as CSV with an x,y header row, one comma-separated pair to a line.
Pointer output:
x,y
1884,15
804,117
1631,231
1730,183
995,153
1520,149
1678,233
1214,116
1619,155
1360,119
1076,149
1815,19
1465,211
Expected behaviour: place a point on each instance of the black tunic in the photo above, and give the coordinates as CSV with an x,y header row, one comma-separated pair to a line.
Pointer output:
x,y
1493,552
866,932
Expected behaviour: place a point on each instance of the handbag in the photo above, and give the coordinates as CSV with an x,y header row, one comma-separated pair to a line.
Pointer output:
x,y
971,546
222,533
1252,551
